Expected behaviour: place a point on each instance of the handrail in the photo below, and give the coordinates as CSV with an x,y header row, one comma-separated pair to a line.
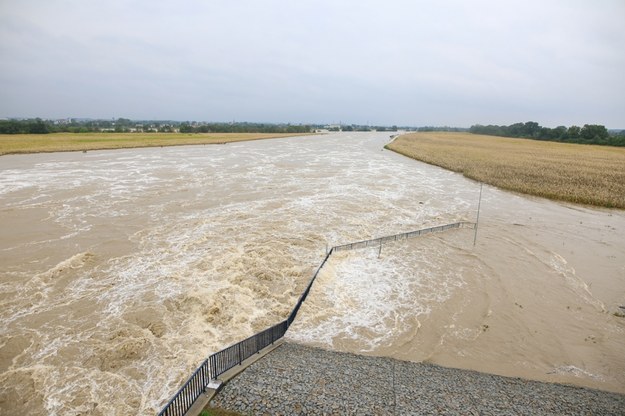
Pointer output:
x,y
234,355
222,361
188,393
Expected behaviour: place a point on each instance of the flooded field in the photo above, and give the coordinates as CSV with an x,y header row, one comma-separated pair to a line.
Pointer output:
x,y
122,270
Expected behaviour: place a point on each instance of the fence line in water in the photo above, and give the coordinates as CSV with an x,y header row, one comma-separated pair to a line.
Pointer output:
x,y
222,361
402,236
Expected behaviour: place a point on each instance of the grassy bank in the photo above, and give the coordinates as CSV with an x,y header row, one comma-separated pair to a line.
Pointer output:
x,y
66,142
584,174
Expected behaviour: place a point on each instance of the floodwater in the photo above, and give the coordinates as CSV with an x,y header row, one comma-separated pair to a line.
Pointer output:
x,y
122,270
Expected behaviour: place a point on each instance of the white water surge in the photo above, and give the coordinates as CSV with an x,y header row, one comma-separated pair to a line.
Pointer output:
x,y
122,270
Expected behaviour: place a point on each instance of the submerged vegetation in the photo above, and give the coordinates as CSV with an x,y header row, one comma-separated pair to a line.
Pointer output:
x,y
593,175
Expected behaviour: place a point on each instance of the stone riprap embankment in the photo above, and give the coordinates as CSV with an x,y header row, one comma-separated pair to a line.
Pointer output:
x,y
300,380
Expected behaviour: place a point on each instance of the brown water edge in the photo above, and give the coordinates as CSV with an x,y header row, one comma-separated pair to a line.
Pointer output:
x,y
536,298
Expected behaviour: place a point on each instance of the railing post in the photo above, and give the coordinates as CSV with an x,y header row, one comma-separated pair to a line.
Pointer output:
x,y
477,221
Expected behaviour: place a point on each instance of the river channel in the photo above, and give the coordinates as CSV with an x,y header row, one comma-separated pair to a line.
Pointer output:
x,y
120,271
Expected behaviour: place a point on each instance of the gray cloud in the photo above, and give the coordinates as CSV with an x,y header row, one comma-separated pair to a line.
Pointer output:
x,y
393,62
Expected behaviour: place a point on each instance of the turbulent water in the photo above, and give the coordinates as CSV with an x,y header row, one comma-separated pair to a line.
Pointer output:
x,y
122,270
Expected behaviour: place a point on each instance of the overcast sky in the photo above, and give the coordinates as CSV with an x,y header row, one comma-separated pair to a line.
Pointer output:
x,y
444,62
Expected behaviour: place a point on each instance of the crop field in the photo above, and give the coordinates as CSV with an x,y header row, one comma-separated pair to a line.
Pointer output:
x,y
584,174
65,142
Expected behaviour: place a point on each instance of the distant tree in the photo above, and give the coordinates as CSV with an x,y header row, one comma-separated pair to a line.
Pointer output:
x,y
531,129
573,133
559,133
590,133
516,130
186,128
10,127
545,133
594,133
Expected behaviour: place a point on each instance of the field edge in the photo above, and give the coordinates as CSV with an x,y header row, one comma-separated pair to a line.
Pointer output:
x,y
589,202
81,142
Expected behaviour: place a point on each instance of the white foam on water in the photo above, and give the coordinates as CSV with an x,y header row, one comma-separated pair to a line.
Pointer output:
x,y
577,372
371,301
561,266
34,296
217,243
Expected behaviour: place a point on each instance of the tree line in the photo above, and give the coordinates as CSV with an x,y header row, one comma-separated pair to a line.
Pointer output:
x,y
243,128
124,125
588,134
35,126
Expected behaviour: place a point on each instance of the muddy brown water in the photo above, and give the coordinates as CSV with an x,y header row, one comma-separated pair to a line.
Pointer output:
x,y
122,270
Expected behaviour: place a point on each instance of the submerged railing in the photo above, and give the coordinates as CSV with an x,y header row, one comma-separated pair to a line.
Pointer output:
x,y
402,236
302,298
228,358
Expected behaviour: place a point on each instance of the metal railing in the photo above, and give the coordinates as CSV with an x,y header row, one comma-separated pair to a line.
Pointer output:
x,y
402,236
188,393
304,295
228,358
234,355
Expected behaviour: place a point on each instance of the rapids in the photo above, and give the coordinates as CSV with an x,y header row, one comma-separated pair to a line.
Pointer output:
x,y
122,270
